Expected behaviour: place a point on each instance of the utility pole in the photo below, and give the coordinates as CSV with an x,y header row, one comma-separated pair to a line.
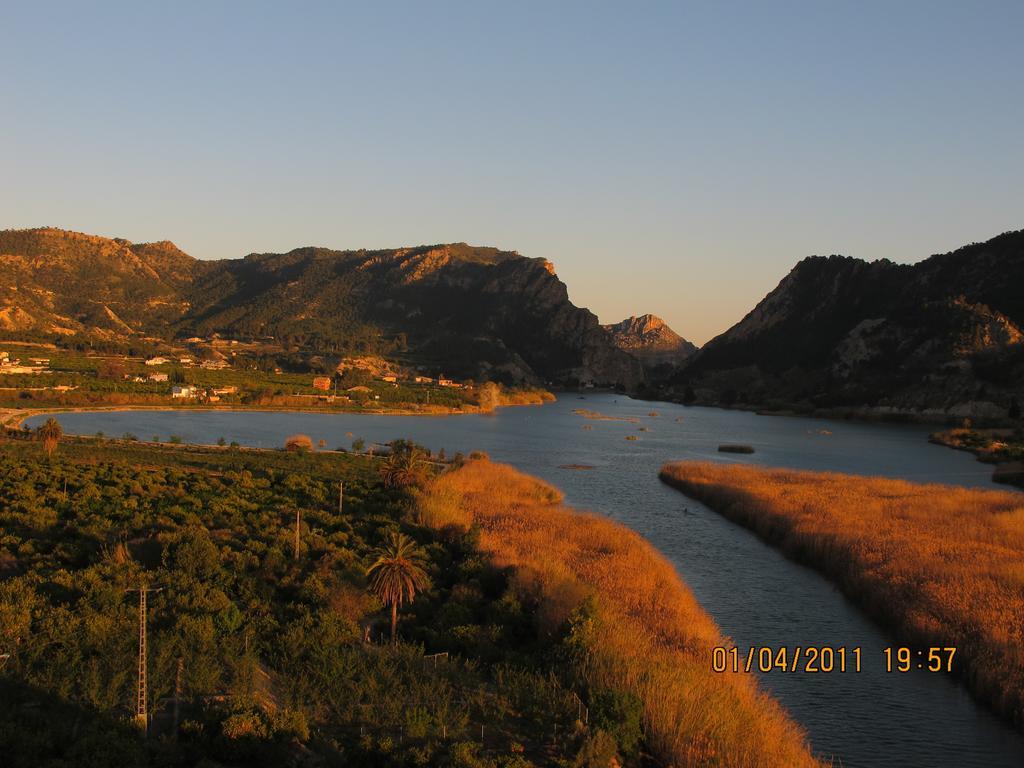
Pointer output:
x,y
298,522
141,710
583,712
178,687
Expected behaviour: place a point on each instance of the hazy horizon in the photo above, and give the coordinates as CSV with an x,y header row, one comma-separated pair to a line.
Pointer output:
x,y
677,161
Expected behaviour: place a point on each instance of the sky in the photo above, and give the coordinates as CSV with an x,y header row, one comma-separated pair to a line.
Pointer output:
x,y
674,158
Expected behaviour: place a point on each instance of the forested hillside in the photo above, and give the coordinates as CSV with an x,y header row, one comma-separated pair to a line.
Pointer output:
x,y
467,311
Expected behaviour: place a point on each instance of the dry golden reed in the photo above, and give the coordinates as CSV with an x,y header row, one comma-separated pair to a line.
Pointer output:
x,y
652,639
941,565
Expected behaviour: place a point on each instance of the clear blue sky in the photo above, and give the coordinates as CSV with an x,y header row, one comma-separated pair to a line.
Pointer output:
x,y
674,158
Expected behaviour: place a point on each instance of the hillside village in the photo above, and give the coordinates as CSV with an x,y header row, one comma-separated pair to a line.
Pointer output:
x,y
14,365
223,372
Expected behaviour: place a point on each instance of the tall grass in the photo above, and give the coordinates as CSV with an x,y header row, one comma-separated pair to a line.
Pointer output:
x,y
649,636
940,565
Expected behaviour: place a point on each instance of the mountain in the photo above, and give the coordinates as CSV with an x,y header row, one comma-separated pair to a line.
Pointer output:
x,y
943,336
650,340
469,311
60,282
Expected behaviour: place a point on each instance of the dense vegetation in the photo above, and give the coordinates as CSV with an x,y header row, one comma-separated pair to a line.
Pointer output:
x,y
633,625
941,565
284,655
109,380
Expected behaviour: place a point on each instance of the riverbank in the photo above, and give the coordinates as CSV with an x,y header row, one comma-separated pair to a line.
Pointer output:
x,y
938,565
1003,448
634,626
978,412
864,719
14,418
986,443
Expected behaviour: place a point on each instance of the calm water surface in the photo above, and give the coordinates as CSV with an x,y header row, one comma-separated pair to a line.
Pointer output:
x,y
756,595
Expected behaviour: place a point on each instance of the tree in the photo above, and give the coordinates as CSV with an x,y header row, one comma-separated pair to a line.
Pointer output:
x,y
354,377
404,468
489,396
1014,410
111,370
397,573
50,434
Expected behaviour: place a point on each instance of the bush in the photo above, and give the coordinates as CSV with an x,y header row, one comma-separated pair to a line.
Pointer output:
x,y
466,754
598,751
299,443
619,714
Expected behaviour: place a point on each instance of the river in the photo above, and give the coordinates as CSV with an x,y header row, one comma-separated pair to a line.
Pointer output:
x,y
756,595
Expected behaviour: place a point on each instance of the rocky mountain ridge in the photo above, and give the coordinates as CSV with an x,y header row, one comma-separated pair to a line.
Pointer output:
x,y
942,336
471,311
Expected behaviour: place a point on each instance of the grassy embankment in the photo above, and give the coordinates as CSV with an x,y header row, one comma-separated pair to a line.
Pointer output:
x,y
939,565
634,625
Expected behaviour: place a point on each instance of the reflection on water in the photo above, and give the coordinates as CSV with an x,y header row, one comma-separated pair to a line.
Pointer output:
x,y
757,596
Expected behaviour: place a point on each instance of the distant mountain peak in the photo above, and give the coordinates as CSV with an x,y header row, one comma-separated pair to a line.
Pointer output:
x,y
650,339
644,325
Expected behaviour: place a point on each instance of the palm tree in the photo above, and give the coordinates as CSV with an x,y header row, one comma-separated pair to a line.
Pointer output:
x,y
407,467
397,573
50,434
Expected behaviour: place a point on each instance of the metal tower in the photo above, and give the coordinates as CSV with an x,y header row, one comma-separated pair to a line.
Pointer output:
x,y
141,709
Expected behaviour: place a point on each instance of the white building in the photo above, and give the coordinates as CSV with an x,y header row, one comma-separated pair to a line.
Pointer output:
x,y
157,361
183,392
